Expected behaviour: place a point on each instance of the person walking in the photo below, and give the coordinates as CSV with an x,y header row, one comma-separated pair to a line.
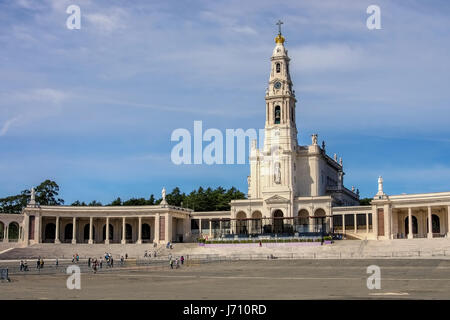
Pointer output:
x,y
171,263
89,262
42,263
38,263
21,265
182,260
56,262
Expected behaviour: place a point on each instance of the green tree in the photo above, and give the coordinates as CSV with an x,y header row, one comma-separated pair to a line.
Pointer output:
x,y
117,202
95,203
151,200
365,201
46,194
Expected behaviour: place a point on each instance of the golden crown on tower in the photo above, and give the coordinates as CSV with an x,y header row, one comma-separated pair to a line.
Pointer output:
x,y
279,39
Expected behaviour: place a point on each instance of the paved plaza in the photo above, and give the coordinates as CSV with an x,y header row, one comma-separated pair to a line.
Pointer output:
x,y
271,279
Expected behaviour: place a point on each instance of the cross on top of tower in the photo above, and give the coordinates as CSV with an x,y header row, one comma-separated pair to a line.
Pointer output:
x,y
279,23
279,38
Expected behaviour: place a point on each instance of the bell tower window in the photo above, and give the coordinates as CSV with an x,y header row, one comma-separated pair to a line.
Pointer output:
x,y
278,67
277,115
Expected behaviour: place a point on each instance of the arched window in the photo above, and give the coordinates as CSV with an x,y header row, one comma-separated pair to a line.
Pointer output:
x,y
277,115
278,67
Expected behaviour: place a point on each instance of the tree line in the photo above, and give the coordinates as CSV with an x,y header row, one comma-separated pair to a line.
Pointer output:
x,y
199,200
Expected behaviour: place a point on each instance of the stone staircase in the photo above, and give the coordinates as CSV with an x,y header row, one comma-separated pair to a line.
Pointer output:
x,y
339,249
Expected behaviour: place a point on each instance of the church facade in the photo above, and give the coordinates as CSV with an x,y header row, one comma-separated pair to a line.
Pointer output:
x,y
293,191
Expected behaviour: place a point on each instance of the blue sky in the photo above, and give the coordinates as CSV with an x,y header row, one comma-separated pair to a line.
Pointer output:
x,y
93,109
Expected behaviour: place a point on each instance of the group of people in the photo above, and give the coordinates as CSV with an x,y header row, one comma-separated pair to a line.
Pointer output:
x,y
75,258
149,254
175,262
95,264
40,263
23,266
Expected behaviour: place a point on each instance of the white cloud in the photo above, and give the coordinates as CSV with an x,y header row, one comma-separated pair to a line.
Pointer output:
x,y
7,124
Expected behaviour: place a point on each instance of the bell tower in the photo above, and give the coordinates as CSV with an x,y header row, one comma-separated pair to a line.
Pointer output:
x,y
280,127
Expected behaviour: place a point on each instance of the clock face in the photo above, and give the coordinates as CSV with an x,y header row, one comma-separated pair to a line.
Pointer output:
x,y
277,85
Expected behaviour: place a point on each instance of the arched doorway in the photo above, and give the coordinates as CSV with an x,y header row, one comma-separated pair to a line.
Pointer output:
x,y
241,223
302,221
13,231
86,232
256,222
2,231
414,225
278,221
111,232
68,232
128,232
320,220
145,232
435,224
49,232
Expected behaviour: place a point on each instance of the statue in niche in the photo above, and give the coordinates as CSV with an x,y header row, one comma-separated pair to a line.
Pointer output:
x,y
277,173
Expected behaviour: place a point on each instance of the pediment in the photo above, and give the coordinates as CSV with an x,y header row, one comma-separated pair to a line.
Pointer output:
x,y
277,199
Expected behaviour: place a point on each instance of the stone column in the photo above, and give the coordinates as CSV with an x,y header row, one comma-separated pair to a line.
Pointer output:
x,y
220,227
388,219
410,224
38,229
26,226
200,227
74,230
331,222
210,228
123,231
139,240
430,224
156,239
375,221
448,221
355,223
343,223
57,230
107,231
168,227
5,235
91,220
367,222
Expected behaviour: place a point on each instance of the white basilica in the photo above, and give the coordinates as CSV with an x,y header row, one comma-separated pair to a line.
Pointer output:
x,y
293,191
